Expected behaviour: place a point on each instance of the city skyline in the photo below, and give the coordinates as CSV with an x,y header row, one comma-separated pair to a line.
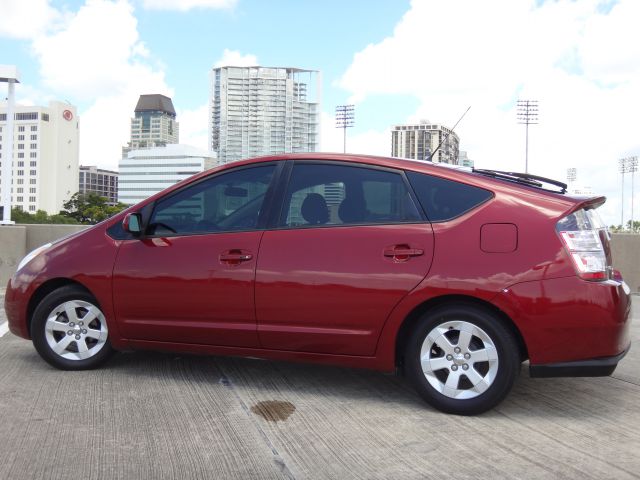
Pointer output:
x,y
583,70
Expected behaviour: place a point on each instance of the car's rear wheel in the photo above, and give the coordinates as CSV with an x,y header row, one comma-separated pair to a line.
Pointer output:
x,y
462,359
70,331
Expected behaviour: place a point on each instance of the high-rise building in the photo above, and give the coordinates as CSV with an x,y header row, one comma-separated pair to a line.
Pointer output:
x,y
154,123
263,110
99,181
420,141
148,171
45,156
464,160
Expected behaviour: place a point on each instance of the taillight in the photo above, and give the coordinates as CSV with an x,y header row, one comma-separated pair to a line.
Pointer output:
x,y
580,233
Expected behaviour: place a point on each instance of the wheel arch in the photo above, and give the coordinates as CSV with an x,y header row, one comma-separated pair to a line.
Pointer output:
x,y
412,318
45,289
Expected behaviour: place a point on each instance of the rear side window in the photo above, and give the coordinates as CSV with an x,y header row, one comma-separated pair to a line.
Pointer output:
x,y
445,199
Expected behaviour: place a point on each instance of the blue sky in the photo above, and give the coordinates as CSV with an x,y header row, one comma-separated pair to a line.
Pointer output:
x,y
398,61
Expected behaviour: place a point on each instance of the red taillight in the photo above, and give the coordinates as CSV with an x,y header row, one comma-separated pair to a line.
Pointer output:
x,y
581,237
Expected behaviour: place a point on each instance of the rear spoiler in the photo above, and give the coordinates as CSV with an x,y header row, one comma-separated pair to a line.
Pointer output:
x,y
588,203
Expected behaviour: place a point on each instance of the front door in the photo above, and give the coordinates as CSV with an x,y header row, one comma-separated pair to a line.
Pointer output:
x,y
190,278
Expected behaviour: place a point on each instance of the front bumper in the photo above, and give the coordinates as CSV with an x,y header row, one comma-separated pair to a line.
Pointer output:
x,y
595,367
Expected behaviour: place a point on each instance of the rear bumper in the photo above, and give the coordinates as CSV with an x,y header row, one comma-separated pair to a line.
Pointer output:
x,y
595,367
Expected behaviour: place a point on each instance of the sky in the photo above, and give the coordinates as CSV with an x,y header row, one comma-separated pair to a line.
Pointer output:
x,y
397,61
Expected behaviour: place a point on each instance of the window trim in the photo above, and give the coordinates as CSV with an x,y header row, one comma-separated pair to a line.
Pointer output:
x,y
279,210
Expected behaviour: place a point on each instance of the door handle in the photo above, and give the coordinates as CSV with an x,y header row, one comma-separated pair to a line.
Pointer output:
x,y
235,257
402,253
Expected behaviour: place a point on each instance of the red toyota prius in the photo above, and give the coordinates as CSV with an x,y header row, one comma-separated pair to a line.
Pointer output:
x,y
454,276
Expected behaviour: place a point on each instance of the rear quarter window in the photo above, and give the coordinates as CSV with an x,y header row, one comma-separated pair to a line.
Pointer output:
x,y
444,199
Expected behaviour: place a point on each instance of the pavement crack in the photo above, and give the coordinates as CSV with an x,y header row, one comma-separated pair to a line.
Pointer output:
x,y
277,458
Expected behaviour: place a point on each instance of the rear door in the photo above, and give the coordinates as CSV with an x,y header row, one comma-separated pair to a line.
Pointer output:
x,y
349,245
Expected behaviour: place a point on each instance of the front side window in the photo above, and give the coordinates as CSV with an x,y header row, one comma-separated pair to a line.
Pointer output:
x,y
345,195
224,203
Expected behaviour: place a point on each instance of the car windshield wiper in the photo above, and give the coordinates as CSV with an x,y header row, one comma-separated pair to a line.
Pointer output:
x,y
525,179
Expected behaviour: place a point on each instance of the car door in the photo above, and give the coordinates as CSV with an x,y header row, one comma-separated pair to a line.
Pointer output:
x,y
349,245
190,277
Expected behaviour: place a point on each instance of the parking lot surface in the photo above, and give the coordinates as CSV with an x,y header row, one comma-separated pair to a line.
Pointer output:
x,y
153,415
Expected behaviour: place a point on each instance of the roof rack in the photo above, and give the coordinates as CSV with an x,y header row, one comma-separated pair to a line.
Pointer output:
x,y
525,179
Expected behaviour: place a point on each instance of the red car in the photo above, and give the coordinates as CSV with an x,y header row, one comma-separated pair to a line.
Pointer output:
x,y
455,276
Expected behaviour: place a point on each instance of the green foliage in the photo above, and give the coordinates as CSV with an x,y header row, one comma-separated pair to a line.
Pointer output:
x,y
89,208
20,216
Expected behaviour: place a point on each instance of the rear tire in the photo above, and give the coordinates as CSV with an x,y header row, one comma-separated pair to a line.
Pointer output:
x,y
69,330
461,359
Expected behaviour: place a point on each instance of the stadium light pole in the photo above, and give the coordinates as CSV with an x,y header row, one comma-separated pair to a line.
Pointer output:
x,y
628,165
345,118
10,75
572,174
527,115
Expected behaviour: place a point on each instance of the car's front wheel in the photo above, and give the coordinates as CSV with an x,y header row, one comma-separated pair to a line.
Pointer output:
x,y
70,331
461,359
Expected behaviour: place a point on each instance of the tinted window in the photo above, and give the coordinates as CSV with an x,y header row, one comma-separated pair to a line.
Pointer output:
x,y
341,195
445,199
227,202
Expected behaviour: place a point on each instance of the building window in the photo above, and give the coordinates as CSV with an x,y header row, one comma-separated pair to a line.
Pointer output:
x,y
34,137
27,116
34,128
33,154
21,164
32,181
20,173
21,155
32,172
19,190
19,199
21,129
21,137
21,146
32,208
32,163
20,181
32,190
45,117
32,199
34,146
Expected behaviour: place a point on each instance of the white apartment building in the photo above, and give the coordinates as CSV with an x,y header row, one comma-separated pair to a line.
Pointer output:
x,y
154,123
263,110
145,172
420,141
45,155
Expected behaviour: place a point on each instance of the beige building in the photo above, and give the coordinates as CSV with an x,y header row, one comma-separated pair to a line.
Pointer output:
x,y
420,141
45,155
99,181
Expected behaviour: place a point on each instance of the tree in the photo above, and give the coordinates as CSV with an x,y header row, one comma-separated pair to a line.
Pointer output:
x,y
90,208
20,216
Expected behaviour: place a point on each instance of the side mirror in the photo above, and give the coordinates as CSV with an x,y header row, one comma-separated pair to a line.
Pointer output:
x,y
132,223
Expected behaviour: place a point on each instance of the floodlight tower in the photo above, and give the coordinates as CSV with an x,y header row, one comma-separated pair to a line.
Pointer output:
x,y
345,118
572,174
10,75
527,115
628,165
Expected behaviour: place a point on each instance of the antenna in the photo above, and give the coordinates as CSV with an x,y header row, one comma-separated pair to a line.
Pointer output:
x,y
447,135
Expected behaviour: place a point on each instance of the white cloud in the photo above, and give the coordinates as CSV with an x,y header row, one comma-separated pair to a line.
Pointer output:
x,y
96,57
575,59
194,126
26,19
236,59
184,5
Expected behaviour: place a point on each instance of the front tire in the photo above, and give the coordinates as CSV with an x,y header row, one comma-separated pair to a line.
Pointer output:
x,y
69,330
461,359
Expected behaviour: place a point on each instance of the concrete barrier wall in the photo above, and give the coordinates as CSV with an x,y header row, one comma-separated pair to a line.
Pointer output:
x,y
16,241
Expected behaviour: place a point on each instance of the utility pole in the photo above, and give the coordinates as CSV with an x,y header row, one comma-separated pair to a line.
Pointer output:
x,y
9,74
527,115
345,118
628,165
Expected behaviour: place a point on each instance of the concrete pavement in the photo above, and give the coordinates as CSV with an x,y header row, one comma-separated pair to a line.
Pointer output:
x,y
152,415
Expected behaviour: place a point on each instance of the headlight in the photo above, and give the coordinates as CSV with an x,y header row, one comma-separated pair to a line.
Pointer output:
x,y
31,255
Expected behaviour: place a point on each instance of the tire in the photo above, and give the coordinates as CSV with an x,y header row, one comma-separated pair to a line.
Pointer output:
x,y
461,359
69,330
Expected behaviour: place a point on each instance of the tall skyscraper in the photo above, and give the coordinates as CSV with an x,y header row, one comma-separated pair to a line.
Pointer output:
x,y
154,123
45,156
153,159
420,141
263,110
